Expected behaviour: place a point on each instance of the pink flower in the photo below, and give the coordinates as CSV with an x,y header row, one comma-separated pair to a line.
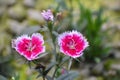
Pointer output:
x,y
29,47
47,15
72,43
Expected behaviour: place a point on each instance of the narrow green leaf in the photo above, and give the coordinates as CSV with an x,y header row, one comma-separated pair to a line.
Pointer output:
x,y
66,58
70,63
55,33
42,55
78,60
49,67
68,76
48,77
39,76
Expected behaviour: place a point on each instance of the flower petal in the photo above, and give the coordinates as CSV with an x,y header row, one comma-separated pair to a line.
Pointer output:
x,y
72,43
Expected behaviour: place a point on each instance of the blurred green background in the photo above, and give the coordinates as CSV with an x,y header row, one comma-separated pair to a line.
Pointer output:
x,y
98,20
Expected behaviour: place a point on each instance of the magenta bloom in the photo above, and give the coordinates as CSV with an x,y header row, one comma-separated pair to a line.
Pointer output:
x,y
72,43
29,47
47,15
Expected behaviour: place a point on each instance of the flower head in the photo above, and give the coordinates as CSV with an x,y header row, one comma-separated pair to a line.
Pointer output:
x,y
29,47
72,43
47,15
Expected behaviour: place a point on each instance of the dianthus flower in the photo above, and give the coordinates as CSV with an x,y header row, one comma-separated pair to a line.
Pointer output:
x,y
47,15
72,43
29,47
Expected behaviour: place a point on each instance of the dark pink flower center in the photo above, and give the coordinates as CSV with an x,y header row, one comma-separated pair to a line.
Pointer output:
x,y
71,44
30,46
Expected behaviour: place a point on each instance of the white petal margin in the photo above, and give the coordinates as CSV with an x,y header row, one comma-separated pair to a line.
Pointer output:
x,y
77,55
18,40
36,56
81,36
62,36
39,36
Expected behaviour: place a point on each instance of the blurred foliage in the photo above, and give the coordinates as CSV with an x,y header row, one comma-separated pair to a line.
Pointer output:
x,y
90,25
113,77
6,69
107,64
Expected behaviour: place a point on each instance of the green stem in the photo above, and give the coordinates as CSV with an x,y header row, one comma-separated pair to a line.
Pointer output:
x,y
57,67
56,56
50,27
70,63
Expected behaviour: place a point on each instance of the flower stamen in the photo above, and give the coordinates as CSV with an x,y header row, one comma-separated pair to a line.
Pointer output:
x,y
71,44
30,46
